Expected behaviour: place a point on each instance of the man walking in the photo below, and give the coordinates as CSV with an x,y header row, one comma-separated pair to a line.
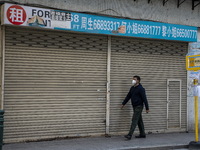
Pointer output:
x,y
138,100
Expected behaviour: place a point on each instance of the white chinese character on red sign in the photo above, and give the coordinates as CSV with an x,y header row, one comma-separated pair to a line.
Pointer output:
x,y
16,15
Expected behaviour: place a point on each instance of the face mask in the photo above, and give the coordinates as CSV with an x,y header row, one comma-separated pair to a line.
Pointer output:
x,y
133,82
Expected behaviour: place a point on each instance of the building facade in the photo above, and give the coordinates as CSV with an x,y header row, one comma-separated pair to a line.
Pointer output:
x,y
66,66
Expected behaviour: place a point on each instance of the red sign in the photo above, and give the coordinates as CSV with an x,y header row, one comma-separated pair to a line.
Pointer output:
x,y
16,15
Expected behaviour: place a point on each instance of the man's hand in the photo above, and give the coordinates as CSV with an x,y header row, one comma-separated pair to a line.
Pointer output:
x,y
122,106
147,111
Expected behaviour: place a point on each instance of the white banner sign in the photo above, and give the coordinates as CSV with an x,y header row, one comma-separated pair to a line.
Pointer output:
x,y
37,17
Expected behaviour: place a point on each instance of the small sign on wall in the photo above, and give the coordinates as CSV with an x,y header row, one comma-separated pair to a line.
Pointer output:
x,y
193,63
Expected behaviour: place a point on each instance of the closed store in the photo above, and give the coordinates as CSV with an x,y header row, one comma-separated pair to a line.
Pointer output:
x,y
155,62
55,84
58,82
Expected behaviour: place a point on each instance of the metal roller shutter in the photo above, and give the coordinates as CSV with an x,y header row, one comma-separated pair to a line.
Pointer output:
x,y
155,61
55,84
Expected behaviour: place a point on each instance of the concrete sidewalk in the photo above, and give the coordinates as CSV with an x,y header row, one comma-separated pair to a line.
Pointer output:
x,y
165,141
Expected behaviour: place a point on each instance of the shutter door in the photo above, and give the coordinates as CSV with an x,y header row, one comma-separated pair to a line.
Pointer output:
x,y
154,61
55,84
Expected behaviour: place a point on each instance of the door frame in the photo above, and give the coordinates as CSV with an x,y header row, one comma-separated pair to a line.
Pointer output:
x,y
168,101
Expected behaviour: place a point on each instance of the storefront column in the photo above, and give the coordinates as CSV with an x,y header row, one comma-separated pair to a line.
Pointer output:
x,y
108,87
190,98
2,57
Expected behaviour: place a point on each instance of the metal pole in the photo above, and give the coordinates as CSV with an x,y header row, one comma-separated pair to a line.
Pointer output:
x,y
2,65
196,119
108,87
187,103
196,112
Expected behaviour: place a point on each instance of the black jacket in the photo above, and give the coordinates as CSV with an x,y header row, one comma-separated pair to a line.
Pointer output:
x,y
137,96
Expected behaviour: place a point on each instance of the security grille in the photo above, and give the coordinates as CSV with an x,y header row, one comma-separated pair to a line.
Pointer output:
x,y
55,84
155,61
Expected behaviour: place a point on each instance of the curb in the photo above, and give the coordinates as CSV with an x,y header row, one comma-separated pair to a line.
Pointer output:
x,y
161,147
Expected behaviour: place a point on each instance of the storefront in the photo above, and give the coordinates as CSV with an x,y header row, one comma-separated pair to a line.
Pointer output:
x,y
157,62
59,83
55,84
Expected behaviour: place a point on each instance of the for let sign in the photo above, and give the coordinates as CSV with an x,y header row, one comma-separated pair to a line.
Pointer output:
x,y
26,16
16,15
193,63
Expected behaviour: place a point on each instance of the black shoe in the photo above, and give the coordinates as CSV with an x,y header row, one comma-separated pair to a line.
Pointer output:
x,y
128,137
140,136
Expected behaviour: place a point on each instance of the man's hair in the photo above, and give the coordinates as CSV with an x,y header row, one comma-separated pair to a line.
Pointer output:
x,y
137,77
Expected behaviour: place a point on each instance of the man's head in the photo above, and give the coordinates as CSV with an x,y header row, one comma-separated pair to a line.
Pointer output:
x,y
137,79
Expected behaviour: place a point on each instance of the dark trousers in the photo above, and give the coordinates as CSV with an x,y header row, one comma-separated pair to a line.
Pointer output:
x,y
137,120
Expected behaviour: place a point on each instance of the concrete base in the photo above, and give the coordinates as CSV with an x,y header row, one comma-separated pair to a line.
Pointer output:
x,y
194,145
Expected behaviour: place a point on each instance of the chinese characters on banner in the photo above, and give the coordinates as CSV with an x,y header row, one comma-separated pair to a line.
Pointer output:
x,y
60,19
63,20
